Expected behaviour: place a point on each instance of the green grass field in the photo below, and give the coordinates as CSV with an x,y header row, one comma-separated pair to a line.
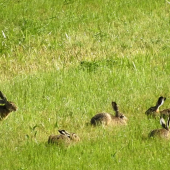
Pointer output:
x,y
64,61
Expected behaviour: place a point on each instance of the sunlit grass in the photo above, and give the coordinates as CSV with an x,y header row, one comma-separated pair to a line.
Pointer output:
x,y
67,99
63,33
64,61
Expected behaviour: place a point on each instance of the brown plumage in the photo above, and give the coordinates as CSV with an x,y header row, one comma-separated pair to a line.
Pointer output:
x,y
161,133
64,138
154,111
109,119
7,107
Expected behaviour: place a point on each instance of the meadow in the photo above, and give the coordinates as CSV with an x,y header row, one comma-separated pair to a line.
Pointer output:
x,y
64,61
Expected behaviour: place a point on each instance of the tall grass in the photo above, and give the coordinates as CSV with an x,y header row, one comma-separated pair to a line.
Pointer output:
x,y
65,32
64,61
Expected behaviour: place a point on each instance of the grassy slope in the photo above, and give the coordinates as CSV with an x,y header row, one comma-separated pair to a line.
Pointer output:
x,y
62,62
67,32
